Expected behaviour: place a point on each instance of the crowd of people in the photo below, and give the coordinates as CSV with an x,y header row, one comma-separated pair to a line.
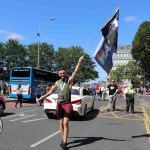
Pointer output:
x,y
109,92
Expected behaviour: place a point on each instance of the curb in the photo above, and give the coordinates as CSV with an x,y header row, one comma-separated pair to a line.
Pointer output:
x,y
10,99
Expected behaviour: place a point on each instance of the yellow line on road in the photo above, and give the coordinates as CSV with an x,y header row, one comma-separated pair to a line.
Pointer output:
x,y
139,116
120,107
146,121
101,108
115,115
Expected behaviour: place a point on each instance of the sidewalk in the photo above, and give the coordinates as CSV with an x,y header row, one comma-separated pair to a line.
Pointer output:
x,y
8,99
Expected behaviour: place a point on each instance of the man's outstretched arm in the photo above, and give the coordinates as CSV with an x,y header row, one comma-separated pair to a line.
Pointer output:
x,y
48,93
72,77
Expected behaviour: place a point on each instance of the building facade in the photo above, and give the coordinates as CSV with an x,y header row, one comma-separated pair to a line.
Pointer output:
x,y
122,57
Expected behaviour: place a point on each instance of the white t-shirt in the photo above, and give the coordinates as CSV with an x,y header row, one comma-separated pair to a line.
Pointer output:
x,y
19,91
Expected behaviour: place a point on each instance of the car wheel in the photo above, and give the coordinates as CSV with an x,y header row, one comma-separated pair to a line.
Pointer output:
x,y
92,106
1,109
49,116
1,125
85,110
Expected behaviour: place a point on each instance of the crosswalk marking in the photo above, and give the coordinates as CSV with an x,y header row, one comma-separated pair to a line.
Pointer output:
x,y
34,120
20,113
45,139
23,117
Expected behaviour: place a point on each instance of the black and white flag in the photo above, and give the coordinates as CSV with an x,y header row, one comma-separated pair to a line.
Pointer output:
x,y
110,31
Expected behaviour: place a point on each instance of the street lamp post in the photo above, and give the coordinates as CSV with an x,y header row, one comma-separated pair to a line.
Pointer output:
x,y
38,34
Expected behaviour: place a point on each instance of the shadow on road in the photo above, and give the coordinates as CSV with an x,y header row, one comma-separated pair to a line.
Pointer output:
x,y
138,112
139,136
80,141
7,114
91,115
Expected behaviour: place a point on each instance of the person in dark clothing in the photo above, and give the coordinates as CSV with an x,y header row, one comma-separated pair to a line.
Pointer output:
x,y
112,95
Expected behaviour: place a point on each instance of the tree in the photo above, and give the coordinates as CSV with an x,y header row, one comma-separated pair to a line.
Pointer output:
x,y
130,71
46,56
118,74
15,53
2,54
141,46
68,58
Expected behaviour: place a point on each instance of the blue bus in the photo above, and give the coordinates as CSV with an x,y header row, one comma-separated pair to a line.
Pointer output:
x,y
31,80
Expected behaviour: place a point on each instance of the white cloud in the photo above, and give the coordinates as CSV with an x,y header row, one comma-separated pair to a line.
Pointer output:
x,y
15,36
11,35
131,18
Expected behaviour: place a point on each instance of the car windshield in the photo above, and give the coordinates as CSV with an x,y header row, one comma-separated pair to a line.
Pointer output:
x,y
73,92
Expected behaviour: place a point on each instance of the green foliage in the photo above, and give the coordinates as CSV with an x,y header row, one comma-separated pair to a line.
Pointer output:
x,y
141,46
2,53
12,53
130,71
32,52
68,58
15,53
46,56
117,74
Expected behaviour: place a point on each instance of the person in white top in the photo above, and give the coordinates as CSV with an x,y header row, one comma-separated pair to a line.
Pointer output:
x,y
19,95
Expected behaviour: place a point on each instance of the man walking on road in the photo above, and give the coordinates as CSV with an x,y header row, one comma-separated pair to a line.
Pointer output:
x,y
112,95
64,108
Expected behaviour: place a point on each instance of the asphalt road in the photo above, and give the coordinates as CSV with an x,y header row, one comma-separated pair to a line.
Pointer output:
x,y
28,128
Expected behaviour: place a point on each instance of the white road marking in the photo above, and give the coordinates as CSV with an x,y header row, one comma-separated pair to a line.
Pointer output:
x,y
22,117
34,120
19,113
45,139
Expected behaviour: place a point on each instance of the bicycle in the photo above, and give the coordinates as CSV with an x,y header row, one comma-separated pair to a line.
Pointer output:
x,y
1,125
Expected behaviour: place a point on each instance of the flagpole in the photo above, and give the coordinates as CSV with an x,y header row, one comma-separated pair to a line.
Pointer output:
x,y
92,41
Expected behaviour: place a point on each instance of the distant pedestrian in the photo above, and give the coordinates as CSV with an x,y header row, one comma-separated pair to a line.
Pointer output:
x,y
98,90
93,91
64,108
129,96
103,91
85,91
88,89
38,92
19,95
112,87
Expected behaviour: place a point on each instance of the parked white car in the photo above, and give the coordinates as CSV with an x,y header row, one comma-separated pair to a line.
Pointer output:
x,y
82,102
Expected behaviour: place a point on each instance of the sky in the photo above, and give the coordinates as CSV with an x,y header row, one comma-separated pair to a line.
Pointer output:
x,y
77,22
